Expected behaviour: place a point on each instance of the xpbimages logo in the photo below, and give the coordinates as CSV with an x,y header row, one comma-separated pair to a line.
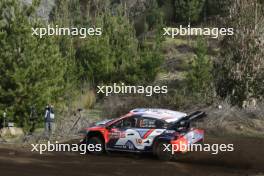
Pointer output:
x,y
59,147
69,31
197,147
125,89
191,31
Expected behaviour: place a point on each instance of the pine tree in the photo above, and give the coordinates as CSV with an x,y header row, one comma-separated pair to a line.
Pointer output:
x,y
154,15
32,69
199,77
188,10
116,56
64,14
216,7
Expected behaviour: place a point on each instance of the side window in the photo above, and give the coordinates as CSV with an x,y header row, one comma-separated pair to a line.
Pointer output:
x,y
151,123
129,122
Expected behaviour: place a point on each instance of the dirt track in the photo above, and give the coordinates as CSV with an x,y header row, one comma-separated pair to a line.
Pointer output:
x,y
247,159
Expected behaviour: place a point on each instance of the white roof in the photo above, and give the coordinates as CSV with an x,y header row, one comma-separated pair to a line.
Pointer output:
x,y
163,114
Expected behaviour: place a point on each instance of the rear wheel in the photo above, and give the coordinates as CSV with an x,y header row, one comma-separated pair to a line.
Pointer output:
x,y
96,143
161,153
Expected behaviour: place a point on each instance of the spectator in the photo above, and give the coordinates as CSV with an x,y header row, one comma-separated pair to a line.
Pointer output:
x,y
49,120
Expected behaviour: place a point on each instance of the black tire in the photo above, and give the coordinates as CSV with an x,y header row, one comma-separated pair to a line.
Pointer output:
x,y
158,150
95,141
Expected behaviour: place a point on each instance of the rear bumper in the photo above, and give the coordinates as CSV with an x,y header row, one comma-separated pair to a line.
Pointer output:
x,y
194,136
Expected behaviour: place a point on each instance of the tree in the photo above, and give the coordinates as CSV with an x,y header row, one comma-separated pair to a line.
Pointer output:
x,y
240,70
117,55
199,77
153,15
32,69
216,7
188,10
64,14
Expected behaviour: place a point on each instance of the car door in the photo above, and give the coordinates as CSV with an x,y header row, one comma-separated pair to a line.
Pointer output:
x,y
122,134
148,128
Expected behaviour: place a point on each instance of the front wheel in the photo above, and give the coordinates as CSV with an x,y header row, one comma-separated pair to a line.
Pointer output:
x,y
95,146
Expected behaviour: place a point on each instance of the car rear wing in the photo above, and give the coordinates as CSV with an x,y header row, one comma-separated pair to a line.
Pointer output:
x,y
195,116
185,121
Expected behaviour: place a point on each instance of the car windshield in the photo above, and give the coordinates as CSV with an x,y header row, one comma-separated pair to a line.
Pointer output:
x,y
103,122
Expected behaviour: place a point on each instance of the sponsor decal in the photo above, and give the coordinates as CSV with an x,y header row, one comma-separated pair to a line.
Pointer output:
x,y
139,141
117,135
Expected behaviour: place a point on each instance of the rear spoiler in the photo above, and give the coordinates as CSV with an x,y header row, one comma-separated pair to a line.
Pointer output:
x,y
187,119
191,117
195,116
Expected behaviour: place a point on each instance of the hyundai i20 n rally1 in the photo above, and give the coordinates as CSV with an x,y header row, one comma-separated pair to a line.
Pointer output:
x,y
145,130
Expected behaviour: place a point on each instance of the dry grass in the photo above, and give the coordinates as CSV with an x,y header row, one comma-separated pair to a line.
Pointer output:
x,y
70,121
86,100
230,120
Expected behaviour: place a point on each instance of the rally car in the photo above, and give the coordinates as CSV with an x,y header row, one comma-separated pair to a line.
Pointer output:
x,y
145,130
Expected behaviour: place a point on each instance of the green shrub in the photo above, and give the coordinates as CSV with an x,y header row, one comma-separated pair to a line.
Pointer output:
x,y
199,77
